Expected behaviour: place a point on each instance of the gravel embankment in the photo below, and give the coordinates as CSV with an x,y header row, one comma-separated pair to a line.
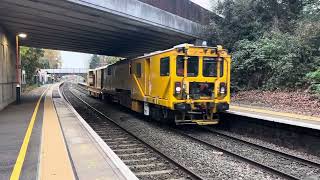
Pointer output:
x,y
298,102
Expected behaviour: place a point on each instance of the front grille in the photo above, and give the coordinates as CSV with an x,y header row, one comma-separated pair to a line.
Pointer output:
x,y
200,89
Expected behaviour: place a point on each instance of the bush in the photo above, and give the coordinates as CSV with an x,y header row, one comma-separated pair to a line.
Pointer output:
x,y
276,61
274,43
314,79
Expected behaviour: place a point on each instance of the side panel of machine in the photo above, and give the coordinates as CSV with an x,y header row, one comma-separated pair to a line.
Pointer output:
x,y
150,82
99,79
117,77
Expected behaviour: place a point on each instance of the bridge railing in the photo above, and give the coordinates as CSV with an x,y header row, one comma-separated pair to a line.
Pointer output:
x,y
66,71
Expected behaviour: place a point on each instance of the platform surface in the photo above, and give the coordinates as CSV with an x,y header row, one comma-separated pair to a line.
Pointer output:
x,y
276,116
42,138
89,158
54,158
14,121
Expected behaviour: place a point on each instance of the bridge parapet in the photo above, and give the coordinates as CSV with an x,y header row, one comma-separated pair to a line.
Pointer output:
x,y
183,8
66,71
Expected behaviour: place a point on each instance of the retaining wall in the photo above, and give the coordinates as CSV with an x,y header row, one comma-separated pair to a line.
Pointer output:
x,y
7,69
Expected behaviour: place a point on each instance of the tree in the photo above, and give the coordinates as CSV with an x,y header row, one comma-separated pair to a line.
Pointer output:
x,y
274,43
311,9
94,62
98,61
30,61
106,60
51,59
251,19
275,61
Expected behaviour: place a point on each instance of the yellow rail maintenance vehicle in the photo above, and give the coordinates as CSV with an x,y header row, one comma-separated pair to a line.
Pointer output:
x,y
95,81
186,84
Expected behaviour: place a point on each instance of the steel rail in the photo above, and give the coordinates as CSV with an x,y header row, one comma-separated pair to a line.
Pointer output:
x,y
248,160
301,160
190,172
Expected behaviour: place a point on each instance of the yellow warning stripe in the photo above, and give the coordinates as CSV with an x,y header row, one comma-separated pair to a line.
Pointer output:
x,y
295,116
55,162
23,150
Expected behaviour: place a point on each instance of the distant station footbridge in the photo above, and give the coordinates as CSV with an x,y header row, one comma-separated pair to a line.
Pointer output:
x,y
66,71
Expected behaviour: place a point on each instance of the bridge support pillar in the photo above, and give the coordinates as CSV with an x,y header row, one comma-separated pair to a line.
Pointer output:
x,y
7,69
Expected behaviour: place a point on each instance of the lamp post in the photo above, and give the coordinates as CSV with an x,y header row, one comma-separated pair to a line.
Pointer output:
x,y
18,67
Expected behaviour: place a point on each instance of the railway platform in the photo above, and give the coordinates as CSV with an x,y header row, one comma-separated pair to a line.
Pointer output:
x,y
276,116
45,138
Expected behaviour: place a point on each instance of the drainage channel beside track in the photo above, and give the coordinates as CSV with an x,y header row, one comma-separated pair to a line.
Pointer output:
x,y
145,161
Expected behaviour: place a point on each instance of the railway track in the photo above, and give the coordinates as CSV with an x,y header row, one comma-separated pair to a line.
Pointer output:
x,y
255,149
145,161
301,170
267,149
81,88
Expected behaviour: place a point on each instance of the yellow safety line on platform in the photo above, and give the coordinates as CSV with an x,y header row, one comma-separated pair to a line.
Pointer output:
x,y
54,160
15,175
296,116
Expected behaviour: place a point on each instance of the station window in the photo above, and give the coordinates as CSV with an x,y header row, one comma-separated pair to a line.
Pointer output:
x,y
165,66
192,64
210,65
138,70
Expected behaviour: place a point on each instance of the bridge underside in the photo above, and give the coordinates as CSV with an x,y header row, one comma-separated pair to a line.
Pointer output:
x,y
107,27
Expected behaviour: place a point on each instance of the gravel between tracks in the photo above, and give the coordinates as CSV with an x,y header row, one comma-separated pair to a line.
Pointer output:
x,y
270,159
202,159
255,140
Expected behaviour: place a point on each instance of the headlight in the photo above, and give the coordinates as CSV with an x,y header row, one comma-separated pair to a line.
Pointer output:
x,y
223,88
177,88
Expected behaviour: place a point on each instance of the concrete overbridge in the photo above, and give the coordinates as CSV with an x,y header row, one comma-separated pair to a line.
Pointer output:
x,y
108,27
124,28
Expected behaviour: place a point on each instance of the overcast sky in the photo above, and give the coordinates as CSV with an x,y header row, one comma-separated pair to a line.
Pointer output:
x,y
204,3
74,60
80,60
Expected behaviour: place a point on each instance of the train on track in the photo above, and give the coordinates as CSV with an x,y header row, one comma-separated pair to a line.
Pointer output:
x,y
186,84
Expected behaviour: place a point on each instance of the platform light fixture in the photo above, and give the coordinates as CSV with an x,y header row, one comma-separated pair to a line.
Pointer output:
x,y
18,66
22,35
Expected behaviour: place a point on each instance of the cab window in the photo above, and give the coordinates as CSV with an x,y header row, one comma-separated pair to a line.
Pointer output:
x,y
192,66
180,66
138,70
165,66
210,66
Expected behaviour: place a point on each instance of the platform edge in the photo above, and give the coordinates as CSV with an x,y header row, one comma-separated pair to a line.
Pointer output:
x,y
124,169
277,120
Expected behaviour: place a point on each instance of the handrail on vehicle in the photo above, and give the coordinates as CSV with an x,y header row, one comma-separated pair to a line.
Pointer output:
x,y
138,84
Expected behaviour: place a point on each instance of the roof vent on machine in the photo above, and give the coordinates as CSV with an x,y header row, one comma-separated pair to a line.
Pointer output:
x,y
155,52
183,45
